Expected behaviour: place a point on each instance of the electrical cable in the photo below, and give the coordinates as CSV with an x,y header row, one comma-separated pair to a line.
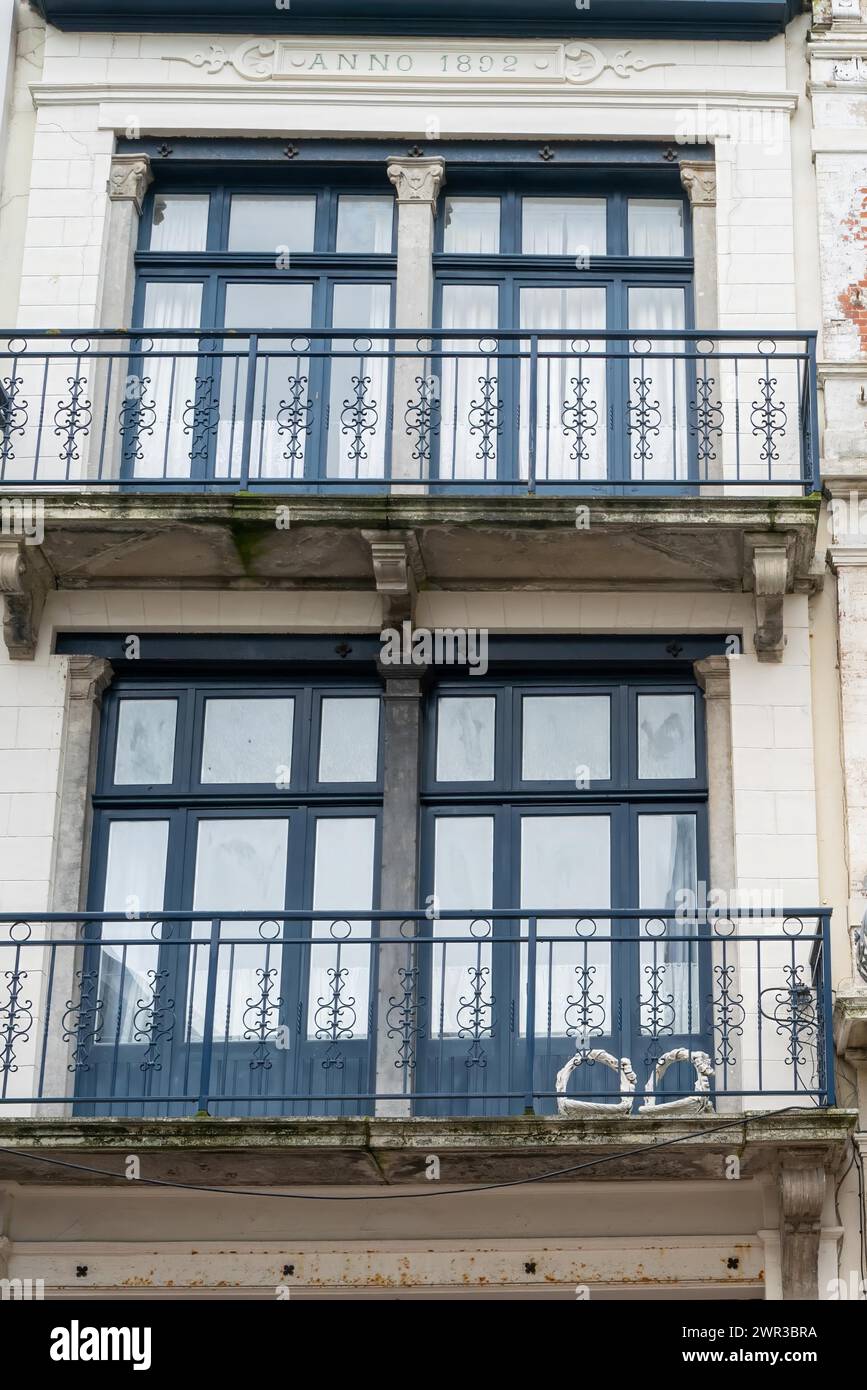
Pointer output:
x,y
410,1196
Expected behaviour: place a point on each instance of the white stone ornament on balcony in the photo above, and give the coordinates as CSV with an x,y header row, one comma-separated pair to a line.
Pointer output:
x,y
697,1104
567,1106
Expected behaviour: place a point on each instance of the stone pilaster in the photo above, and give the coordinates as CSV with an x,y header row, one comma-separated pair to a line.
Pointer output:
x,y
398,978
417,183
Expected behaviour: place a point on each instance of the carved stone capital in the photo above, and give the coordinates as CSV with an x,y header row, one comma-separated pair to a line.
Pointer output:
x,y
802,1196
417,180
699,180
89,678
25,578
129,179
767,574
714,675
397,570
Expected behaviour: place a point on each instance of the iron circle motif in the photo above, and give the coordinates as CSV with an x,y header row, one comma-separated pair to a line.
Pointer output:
x,y
723,926
24,928
655,928
793,926
580,346
585,927
16,347
299,345
262,929
487,346
80,346
340,929
766,348
362,346
480,930
642,347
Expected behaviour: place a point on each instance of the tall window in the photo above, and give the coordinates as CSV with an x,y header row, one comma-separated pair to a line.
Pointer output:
x,y
261,259
556,795
578,261
221,798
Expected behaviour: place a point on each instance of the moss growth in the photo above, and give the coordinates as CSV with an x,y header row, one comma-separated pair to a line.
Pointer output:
x,y
247,538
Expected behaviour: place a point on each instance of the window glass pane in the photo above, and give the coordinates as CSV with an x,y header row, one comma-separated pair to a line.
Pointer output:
x,y
248,741
571,438
268,223
349,740
655,227
666,736
669,949
566,863
359,385
564,226
342,883
145,754
463,878
135,872
465,738
282,382
472,226
240,864
567,738
466,449
135,879
365,224
180,222
168,383
658,377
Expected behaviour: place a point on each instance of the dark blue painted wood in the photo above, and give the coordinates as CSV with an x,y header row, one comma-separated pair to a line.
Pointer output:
x,y
632,18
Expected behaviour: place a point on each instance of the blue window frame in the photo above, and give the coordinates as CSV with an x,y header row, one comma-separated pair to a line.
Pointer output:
x,y
544,788
581,794
219,797
519,251
262,254
588,258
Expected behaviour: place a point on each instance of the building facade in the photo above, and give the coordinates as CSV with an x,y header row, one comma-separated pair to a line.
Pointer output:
x,y
431,761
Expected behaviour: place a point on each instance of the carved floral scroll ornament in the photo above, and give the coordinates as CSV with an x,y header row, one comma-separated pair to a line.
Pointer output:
x,y
262,60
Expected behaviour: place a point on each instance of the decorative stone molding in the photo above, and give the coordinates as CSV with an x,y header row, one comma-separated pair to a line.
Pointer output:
x,y
699,180
767,574
25,578
802,1196
714,676
417,180
282,60
129,179
89,678
397,570
585,63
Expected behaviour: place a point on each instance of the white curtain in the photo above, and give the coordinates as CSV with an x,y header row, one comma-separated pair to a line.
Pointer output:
x,y
571,422
657,386
471,386
168,385
358,428
667,849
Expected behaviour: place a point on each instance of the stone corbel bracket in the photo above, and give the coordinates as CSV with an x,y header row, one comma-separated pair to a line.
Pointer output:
x,y
398,570
769,575
25,579
802,1196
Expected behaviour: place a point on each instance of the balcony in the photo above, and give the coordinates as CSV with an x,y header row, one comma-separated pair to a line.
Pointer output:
x,y
616,1014
362,411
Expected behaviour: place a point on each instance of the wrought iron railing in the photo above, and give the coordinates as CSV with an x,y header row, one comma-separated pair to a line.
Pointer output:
x,y
555,410
466,1014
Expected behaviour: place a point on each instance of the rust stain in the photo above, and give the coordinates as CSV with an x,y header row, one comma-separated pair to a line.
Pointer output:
x,y
853,300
